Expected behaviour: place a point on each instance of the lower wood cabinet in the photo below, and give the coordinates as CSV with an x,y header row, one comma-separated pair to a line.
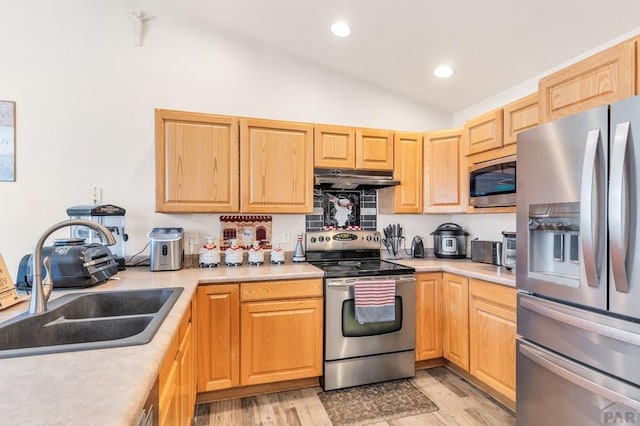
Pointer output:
x,y
428,316
492,333
455,302
177,390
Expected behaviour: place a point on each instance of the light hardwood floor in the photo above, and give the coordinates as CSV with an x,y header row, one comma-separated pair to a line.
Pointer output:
x,y
459,402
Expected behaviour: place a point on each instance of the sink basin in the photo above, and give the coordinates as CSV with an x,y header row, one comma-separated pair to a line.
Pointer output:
x,y
84,321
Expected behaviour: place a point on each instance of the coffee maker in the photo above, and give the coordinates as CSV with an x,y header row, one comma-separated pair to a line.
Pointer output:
x,y
108,215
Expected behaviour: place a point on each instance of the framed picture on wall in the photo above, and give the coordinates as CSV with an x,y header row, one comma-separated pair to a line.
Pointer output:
x,y
7,141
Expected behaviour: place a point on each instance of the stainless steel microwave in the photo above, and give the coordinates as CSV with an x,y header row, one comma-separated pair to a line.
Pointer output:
x,y
493,183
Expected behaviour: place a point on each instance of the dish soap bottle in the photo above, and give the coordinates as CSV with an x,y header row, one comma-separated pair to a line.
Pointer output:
x,y
298,253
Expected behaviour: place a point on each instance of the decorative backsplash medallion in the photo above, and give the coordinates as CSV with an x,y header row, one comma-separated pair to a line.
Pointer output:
x,y
343,210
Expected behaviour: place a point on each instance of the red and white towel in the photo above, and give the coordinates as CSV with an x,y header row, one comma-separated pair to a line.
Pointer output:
x,y
375,301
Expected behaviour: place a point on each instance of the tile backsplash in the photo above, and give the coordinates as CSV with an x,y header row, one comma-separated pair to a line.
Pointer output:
x,y
363,204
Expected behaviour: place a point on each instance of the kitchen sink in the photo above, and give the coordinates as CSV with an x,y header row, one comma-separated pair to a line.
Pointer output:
x,y
84,321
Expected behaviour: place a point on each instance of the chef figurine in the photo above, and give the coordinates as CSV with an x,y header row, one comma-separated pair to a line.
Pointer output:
x,y
256,255
233,254
277,255
209,253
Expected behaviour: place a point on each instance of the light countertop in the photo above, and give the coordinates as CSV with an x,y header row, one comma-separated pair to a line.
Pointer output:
x,y
110,386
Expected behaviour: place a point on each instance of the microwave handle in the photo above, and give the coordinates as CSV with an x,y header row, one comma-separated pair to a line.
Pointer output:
x,y
617,237
586,203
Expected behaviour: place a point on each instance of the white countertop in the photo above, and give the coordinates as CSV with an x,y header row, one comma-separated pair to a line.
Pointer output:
x,y
110,386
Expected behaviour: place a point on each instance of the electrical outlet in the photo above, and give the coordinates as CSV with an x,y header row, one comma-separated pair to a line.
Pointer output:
x,y
286,237
96,195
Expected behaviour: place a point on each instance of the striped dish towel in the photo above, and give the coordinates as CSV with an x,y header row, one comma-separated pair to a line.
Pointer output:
x,y
375,301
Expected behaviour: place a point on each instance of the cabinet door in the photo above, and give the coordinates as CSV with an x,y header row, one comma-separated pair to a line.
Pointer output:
x,y
484,133
428,316
374,149
281,340
406,197
218,355
600,79
455,302
197,163
334,147
518,116
277,166
444,178
186,366
168,386
492,333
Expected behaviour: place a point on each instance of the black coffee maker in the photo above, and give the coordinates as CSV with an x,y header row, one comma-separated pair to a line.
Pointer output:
x,y
417,247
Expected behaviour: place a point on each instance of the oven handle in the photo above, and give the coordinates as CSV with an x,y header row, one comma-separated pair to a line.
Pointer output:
x,y
348,282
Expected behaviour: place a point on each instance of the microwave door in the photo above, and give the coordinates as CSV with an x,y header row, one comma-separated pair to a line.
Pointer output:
x,y
624,250
561,209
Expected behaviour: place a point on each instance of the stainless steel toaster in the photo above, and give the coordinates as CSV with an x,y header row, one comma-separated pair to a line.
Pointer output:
x,y
486,251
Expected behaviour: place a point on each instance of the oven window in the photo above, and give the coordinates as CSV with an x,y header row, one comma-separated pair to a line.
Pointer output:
x,y
352,328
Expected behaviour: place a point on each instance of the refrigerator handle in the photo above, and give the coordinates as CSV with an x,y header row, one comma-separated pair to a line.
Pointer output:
x,y
556,368
617,238
586,203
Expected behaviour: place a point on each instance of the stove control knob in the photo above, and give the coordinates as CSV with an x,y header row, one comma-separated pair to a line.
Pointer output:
x,y
321,238
313,239
368,237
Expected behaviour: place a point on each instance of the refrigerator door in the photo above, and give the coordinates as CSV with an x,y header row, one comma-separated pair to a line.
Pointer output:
x,y
561,209
553,390
624,249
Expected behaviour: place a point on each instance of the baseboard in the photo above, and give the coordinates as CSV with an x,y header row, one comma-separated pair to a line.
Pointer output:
x,y
254,390
429,363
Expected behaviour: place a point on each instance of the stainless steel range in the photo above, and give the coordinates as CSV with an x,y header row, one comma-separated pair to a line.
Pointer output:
x,y
358,352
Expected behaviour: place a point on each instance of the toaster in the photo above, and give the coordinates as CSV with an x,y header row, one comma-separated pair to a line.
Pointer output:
x,y
486,251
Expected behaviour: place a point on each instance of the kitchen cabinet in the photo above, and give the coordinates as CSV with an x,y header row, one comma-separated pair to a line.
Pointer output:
x,y
455,303
445,183
276,163
518,116
197,162
407,168
492,336
428,316
484,132
218,336
602,78
338,147
281,336
177,390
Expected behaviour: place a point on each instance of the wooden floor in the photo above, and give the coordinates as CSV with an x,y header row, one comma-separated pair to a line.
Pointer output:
x,y
459,402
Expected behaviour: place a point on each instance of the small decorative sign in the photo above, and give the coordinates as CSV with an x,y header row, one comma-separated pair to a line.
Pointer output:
x,y
8,294
246,229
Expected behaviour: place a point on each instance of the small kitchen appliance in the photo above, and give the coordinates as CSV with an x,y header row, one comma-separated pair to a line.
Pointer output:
x,y
166,251
486,251
417,247
108,215
358,353
450,241
508,249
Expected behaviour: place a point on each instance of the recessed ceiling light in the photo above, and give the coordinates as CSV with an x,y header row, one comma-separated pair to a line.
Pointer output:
x,y
443,71
340,29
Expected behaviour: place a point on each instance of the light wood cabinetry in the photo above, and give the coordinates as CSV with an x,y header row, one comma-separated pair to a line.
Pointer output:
x,y
218,336
276,160
605,77
428,316
281,337
455,302
338,147
406,197
177,388
197,162
444,172
492,332
518,116
484,133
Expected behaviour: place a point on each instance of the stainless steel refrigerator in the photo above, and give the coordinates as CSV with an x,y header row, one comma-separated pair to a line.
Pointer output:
x,y
578,269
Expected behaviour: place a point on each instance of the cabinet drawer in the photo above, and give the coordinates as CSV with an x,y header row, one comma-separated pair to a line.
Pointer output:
x,y
271,290
496,293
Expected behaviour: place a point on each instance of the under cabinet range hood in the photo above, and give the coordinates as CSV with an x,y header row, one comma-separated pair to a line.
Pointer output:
x,y
353,179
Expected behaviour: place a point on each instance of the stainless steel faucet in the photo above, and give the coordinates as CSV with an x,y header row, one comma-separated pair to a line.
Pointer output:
x,y
42,290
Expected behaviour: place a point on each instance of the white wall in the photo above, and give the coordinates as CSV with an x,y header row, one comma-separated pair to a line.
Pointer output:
x,y
85,98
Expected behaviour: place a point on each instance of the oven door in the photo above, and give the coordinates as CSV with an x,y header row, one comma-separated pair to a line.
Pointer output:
x,y
346,338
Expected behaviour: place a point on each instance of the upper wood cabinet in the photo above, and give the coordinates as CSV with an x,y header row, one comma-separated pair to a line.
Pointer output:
x,y
455,303
600,79
444,172
406,197
337,147
197,162
484,133
518,116
428,316
334,147
276,160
